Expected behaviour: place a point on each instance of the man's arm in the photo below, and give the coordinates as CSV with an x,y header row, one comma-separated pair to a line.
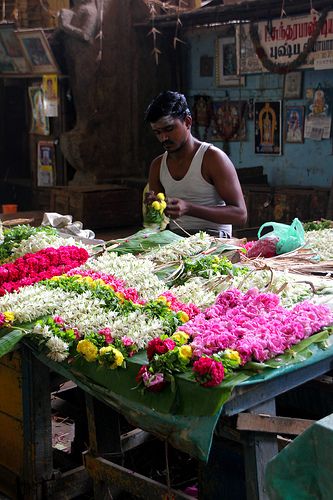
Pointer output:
x,y
154,176
217,169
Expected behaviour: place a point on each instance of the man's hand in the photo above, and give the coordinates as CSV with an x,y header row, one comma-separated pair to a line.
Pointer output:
x,y
176,208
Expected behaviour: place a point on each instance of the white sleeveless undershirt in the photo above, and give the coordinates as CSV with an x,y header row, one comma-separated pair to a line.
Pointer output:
x,y
194,189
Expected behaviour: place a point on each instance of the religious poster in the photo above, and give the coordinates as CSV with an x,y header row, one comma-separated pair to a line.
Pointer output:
x,y
294,124
50,89
46,163
39,121
319,115
268,128
228,122
284,39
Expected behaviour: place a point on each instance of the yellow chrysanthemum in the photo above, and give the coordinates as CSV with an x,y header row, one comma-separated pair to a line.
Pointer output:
x,y
156,205
160,196
183,316
120,296
185,352
232,355
9,316
163,299
180,337
118,357
88,279
87,349
55,278
163,205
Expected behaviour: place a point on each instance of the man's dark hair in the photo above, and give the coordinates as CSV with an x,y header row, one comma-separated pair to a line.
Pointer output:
x,y
167,103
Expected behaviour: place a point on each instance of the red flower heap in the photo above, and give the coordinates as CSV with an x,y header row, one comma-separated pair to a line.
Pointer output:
x,y
208,372
34,267
159,346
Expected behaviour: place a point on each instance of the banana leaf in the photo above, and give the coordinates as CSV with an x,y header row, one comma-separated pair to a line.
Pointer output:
x,y
144,240
9,340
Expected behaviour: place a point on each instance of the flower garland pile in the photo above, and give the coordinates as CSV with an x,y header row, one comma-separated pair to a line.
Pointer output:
x,y
13,238
254,324
34,267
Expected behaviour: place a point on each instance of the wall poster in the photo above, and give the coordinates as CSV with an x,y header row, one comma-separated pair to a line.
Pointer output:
x,y
294,124
319,114
268,128
45,163
40,123
228,121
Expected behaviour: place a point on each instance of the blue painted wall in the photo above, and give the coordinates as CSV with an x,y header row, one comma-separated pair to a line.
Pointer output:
x,y
309,164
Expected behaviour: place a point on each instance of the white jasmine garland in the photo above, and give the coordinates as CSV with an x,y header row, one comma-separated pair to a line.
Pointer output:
x,y
137,273
320,242
83,311
43,330
58,349
194,291
187,247
42,240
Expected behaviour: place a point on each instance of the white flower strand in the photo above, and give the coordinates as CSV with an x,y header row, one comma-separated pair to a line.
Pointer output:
x,y
320,242
187,247
81,311
137,273
42,240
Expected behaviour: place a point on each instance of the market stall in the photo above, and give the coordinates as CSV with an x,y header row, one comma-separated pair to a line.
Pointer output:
x,y
174,333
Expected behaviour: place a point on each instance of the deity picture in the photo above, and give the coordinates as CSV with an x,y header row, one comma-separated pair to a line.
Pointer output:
x,y
294,124
268,127
228,123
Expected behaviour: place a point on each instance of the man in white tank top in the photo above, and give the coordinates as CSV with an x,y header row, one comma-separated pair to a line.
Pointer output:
x,y
199,180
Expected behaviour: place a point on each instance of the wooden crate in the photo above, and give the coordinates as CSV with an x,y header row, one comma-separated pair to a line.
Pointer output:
x,y
104,206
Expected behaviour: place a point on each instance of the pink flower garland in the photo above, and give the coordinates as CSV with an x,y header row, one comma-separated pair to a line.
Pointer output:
x,y
254,324
34,267
117,284
176,305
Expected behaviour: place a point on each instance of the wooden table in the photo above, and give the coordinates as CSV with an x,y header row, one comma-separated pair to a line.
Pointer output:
x,y
36,478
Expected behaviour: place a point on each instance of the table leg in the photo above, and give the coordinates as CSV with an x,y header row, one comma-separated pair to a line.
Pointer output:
x,y
259,448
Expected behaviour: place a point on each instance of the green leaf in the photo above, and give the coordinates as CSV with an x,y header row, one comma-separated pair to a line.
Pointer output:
x,y
9,341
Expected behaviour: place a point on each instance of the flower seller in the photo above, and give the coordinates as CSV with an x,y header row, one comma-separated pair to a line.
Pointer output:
x,y
199,181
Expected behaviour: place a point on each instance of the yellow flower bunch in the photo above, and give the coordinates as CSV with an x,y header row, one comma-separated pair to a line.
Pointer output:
x,y
88,350
111,356
185,352
180,337
154,212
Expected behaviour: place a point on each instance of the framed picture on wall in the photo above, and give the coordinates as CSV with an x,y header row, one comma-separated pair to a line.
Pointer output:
x,y
293,85
228,122
226,63
37,51
268,128
294,124
13,47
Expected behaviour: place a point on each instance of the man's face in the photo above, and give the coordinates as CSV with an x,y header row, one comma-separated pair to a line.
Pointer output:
x,y
172,132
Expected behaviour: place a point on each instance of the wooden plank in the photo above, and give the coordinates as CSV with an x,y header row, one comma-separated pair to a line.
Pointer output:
x,y
259,449
12,360
71,484
11,392
11,437
272,424
141,486
134,438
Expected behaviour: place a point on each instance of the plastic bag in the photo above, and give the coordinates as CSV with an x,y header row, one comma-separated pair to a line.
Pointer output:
x,y
289,237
